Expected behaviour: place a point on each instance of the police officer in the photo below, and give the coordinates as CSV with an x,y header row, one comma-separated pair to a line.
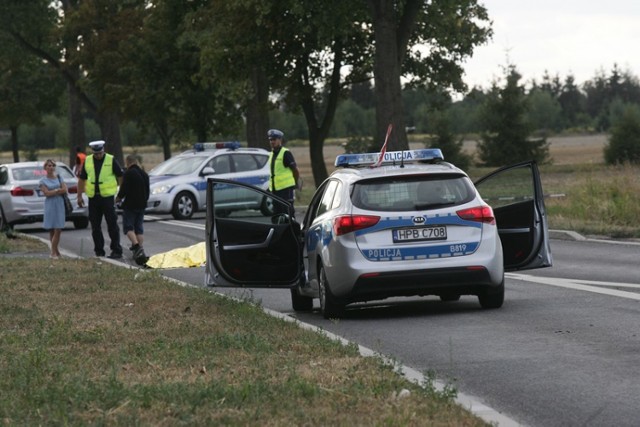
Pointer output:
x,y
99,178
285,175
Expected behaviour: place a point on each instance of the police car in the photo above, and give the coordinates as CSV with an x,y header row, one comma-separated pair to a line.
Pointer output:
x,y
178,185
414,225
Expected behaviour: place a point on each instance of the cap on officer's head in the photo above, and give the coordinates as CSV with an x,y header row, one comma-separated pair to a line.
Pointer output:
x,y
97,146
275,133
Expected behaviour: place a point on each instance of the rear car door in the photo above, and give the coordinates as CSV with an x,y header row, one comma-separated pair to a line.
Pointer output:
x,y
252,246
515,194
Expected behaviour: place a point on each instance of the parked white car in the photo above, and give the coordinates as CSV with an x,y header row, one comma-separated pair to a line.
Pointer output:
x,y
21,200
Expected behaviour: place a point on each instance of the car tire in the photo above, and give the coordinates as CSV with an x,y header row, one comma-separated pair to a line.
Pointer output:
x,y
184,205
449,298
300,302
329,305
266,206
80,223
492,297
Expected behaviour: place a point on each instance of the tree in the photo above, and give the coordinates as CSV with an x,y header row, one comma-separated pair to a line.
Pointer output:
x,y
505,138
425,42
545,113
28,90
624,143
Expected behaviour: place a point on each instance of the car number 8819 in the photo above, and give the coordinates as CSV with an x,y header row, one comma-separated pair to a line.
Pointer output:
x,y
415,234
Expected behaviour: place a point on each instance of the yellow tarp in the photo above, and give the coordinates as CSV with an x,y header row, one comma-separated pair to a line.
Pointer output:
x,y
192,256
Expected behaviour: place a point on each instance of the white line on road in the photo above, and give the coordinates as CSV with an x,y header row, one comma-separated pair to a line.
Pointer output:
x,y
582,285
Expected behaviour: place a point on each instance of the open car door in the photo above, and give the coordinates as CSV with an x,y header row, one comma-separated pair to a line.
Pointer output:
x,y
515,194
252,238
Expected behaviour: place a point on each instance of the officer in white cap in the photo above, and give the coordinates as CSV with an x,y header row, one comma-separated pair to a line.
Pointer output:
x,y
99,178
285,176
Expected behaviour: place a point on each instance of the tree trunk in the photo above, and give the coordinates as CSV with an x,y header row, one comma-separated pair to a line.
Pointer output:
x,y
110,127
77,137
14,143
258,110
387,72
162,129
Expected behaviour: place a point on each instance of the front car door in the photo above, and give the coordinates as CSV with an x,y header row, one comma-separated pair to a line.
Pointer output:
x,y
515,194
257,245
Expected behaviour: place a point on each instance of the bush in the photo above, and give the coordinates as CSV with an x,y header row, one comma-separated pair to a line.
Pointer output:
x,y
624,144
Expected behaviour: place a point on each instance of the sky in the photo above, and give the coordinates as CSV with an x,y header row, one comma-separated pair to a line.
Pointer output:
x,y
578,37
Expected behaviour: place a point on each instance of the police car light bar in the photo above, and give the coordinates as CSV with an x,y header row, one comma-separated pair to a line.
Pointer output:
x,y
406,156
202,146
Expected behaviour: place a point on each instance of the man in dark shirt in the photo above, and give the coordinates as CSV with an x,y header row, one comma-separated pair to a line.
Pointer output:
x,y
134,193
101,185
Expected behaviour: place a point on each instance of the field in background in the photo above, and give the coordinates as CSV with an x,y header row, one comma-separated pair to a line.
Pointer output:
x,y
582,193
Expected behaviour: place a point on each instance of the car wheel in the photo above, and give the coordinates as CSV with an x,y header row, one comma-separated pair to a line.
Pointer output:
x,y
80,223
449,298
492,297
329,305
266,206
184,205
300,302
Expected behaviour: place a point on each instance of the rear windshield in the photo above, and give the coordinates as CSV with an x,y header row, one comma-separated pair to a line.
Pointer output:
x,y
34,173
413,193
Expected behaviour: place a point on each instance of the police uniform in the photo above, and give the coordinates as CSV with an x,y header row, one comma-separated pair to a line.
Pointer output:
x,y
282,181
101,176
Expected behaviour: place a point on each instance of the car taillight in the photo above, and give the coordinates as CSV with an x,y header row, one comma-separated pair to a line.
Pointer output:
x,y
72,190
348,223
478,213
21,192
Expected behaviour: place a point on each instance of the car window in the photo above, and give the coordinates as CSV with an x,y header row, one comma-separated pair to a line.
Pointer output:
x,y
64,172
327,198
220,164
414,193
508,187
246,162
177,166
29,173
4,176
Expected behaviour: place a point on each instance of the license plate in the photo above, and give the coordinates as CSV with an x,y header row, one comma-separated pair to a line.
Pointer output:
x,y
416,234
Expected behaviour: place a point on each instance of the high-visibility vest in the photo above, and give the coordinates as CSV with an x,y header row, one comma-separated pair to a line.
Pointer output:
x,y
281,176
107,181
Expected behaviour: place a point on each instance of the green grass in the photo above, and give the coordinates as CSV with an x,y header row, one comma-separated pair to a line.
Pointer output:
x,y
87,343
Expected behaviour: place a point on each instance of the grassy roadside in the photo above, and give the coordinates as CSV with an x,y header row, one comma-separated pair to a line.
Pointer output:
x,y
85,342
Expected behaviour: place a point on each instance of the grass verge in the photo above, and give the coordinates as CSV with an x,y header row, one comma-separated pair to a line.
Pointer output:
x,y
85,342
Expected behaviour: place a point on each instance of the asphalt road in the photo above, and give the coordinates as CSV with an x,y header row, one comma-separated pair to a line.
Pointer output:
x,y
563,351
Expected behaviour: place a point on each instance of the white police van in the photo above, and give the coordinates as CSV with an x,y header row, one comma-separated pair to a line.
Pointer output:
x,y
413,225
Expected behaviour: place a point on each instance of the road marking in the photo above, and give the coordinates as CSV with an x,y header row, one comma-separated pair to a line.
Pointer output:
x,y
582,285
179,223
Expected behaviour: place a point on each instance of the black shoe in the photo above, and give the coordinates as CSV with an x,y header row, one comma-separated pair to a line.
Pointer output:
x,y
99,254
142,260
134,248
115,255
140,257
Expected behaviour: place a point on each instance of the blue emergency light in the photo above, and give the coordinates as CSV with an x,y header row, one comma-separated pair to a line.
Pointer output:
x,y
203,146
390,157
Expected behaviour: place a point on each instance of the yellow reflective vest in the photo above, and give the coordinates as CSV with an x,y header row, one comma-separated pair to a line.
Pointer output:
x,y
107,182
281,176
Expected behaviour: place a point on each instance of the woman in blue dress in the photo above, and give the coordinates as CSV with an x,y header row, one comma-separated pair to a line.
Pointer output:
x,y
54,217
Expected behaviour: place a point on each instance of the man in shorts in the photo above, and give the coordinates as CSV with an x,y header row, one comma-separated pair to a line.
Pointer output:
x,y
133,196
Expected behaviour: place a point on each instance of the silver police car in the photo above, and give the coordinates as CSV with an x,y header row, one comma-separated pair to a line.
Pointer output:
x,y
412,225
178,185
